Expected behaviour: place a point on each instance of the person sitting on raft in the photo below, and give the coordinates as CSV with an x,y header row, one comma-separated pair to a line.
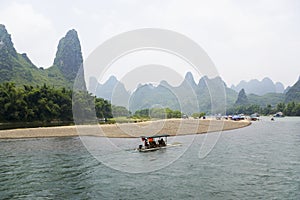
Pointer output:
x,y
161,142
152,143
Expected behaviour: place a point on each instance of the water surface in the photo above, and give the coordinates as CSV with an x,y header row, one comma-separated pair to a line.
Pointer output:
x,y
261,161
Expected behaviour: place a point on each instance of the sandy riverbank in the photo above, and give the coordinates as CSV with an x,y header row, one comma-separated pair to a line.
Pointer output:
x,y
170,126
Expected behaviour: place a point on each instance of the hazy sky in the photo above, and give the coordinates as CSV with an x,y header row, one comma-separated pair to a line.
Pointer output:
x,y
245,39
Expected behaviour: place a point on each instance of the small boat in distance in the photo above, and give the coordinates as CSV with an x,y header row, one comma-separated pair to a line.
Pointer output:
x,y
278,114
254,117
153,143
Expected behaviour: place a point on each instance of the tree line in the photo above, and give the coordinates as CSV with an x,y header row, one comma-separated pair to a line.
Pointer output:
x,y
47,104
160,113
288,109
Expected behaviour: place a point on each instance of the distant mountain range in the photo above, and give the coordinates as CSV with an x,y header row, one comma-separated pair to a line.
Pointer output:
x,y
189,96
257,87
16,67
112,90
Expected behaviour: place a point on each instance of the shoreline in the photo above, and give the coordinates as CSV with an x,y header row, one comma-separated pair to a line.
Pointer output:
x,y
171,127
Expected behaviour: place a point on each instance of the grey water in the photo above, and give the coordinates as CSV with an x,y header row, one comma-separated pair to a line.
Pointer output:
x,y
261,161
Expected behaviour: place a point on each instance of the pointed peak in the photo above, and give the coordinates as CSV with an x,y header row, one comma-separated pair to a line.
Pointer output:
x,y
202,81
189,75
3,28
242,91
164,83
242,98
217,78
279,87
267,79
72,33
220,80
112,79
189,78
68,56
205,78
6,44
111,82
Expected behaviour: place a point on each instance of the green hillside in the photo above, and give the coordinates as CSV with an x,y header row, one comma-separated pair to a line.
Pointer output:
x,y
267,99
17,68
294,93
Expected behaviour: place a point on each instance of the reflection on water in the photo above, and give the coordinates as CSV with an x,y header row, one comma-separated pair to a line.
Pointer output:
x,y
259,161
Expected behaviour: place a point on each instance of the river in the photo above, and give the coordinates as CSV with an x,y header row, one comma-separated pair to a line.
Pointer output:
x,y
261,161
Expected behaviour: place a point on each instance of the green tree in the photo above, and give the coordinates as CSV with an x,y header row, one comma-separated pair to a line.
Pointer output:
x,y
120,111
290,109
160,113
297,110
142,113
280,107
198,115
268,110
103,108
12,103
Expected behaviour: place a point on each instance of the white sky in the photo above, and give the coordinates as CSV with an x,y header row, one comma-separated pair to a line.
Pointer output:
x,y
245,39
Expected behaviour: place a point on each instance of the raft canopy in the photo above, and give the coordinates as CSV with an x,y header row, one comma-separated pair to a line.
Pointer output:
x,y
155,136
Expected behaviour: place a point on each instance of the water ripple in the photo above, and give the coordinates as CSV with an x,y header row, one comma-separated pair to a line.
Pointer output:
x,y
261,161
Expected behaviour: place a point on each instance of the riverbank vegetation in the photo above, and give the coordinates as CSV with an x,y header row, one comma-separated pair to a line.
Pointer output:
x,y
47,104
288,109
